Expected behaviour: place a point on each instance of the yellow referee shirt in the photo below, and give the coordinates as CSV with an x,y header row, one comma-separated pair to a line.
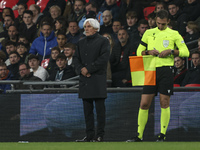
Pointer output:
x,y
162,40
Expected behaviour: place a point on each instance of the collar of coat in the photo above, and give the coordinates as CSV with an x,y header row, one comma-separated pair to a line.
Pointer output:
x,y
92,36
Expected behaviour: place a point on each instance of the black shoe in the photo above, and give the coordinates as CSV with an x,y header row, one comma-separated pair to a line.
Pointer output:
x,y
161,138
85,139
98,139
135,139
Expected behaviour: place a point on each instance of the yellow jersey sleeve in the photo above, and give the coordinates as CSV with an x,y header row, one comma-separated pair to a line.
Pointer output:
x,y
183,49
143,45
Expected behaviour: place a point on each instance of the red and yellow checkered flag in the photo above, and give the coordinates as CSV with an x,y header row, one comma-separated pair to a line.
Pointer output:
x,y
143,70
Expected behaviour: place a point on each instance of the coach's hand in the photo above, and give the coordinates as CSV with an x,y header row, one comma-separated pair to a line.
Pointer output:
x,y
84,71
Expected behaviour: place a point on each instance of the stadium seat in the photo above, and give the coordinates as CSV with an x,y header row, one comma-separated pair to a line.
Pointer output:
x,y
42,4
45,63
176,85
192,85
8,3
147,11
30,2
16,13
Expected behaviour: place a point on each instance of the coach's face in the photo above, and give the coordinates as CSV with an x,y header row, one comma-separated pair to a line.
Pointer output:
x,y
89,30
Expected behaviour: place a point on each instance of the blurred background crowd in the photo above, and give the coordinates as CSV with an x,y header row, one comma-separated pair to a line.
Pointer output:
x,y
38,37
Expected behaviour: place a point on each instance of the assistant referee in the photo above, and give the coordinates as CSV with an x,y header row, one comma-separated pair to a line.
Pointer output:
x,y
163,43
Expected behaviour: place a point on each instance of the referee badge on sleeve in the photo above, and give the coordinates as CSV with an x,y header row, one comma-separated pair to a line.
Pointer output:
x,y
165,43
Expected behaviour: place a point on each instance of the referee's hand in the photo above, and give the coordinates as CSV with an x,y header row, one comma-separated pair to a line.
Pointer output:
x,y
153,52
165,53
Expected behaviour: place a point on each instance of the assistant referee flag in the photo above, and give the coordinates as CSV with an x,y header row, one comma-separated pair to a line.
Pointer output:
x,y
143,70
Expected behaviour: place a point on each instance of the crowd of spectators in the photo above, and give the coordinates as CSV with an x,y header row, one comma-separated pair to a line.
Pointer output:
x,y
45,42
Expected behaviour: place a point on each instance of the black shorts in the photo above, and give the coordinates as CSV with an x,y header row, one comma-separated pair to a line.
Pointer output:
x,y
164,82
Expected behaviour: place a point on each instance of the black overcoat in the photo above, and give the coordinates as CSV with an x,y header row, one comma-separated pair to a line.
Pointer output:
x,y
93,53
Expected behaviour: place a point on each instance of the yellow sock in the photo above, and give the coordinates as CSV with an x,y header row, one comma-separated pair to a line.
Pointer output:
x,y
142,120
164,119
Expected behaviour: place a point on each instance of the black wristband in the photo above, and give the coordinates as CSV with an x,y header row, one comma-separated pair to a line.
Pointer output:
x,y
172,52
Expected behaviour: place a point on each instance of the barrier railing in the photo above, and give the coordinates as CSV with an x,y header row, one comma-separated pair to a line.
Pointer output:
x,y
49,87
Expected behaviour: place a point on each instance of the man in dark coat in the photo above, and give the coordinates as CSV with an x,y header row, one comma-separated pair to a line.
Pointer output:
x,y
26,75
27,27
14,58
180,70
179,17
193,74
91,58
63,71
119,60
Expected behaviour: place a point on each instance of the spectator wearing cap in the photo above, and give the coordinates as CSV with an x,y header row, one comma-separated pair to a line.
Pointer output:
x,y
92,11
22,51
38,71
43,44
14,64
74,33
63,71
27,27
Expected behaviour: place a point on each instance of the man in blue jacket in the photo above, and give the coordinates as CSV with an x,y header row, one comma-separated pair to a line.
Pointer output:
x,y
43,44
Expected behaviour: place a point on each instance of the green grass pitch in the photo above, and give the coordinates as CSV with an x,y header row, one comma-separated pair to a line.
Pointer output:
x,y
100,146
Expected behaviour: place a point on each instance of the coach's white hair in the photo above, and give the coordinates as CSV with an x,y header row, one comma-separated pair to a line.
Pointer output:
x,y
93,22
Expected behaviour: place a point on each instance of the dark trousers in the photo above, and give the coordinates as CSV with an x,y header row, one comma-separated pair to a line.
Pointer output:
x,y
89,117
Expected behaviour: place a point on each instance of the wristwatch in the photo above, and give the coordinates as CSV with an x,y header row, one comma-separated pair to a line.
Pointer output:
x,y
172,52
146,52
